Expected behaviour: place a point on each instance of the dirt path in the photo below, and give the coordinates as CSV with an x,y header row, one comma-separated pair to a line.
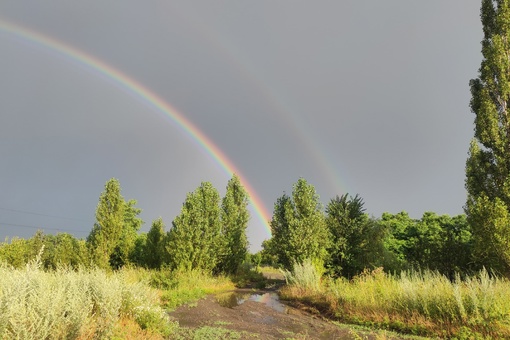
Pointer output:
x,y
257,314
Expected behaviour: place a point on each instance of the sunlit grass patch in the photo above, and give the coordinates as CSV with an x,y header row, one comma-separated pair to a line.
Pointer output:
x,y
425,303
179,288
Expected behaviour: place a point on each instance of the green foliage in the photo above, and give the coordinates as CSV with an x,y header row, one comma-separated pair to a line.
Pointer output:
x,y
61,250
15,252
154,245
112,239
299,228
234,219
268,254
183,287
108,229
434,242
396,242
357,240
195,240
488,164
123,253
490,221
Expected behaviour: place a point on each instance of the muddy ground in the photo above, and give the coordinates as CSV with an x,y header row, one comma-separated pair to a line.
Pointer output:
x,y
259,314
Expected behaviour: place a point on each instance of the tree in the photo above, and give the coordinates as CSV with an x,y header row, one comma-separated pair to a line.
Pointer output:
x,y
154,245
64,249
124,250
298,226
234,219
396,242
194,241
107,230
488,164
357,240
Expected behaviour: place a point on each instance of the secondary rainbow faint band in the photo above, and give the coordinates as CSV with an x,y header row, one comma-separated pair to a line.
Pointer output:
x,y
148,97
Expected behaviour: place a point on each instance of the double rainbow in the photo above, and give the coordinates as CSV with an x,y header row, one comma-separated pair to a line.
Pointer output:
x,y
148,97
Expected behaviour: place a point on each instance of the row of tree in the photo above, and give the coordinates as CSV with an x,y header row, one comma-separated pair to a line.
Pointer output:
x,y
346,240
208,234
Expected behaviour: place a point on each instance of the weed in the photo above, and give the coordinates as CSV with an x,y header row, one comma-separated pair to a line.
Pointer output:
x,y
421,303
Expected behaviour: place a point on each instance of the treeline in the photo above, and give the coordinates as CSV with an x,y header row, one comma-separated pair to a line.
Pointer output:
x,y
209,234
346,240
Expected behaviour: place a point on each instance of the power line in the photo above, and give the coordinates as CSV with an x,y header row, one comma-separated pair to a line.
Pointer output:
x,y
42,228
40,214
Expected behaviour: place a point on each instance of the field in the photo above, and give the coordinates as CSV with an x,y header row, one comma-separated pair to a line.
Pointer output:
x,y
420,303
143,304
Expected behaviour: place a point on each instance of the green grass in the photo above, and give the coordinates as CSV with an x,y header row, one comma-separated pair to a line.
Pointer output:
x,y
422,303
180,288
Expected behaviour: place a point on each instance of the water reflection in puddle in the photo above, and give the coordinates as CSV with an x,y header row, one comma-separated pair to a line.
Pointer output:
x,y
233,299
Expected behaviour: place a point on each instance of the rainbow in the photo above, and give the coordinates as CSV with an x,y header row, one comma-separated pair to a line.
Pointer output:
x,y
148,97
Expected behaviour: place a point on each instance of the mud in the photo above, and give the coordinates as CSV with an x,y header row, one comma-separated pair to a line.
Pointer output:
x,y
257,314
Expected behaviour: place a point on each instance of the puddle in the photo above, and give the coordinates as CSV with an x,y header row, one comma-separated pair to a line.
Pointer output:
x,y
233,299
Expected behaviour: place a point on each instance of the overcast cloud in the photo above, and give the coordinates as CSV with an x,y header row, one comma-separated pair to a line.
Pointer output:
x,y
364,97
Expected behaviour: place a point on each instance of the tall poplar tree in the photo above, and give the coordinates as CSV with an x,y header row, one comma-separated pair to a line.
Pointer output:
x,y
299,227
194,241
107,230
488,164
234,219
154,244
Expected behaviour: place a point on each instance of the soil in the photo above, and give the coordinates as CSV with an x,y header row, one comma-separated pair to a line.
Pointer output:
x,y
256,314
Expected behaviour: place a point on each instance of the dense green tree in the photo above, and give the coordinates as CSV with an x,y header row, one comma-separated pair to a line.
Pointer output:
x,y
436,242
268,253
15,252
64,249
357,240
488,164
234,220
194,241
298,226
396,241
138,256
154,244
124,250
108,229
457,249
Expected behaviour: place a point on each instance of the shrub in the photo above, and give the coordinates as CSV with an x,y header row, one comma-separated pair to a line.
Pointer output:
x,y
67,304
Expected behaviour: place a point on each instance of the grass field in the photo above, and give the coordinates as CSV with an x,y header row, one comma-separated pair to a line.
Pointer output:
x,y
422,303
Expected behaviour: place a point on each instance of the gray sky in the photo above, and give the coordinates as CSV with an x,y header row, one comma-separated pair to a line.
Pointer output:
x,y
364,97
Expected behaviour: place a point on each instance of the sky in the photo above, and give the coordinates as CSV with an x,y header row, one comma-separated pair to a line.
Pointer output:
x,y
358,97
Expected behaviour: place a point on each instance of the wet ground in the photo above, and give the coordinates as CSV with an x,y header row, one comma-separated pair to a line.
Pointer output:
x,y
259,315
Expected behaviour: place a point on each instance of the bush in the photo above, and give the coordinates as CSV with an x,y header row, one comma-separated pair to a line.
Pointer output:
x,y
306,275
67,304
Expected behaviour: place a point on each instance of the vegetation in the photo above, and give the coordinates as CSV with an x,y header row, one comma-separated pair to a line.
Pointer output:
x,y
299,228
234,218
488,165
423,276
72,304
194,242
423,303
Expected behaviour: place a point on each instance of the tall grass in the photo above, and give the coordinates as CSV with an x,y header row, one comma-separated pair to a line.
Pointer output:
x,y
424,303
306,275
66,304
